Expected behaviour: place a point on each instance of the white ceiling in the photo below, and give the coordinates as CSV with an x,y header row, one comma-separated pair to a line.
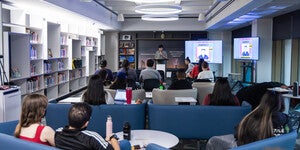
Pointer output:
x,y
191,8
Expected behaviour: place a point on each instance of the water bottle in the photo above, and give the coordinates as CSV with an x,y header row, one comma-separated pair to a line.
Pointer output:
x,y
109,126
161,87
126,131
295,89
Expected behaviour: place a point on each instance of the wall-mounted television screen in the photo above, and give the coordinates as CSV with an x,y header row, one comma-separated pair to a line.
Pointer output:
x,y
246,48
210,51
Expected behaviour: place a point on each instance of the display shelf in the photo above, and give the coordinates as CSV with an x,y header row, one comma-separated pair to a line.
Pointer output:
x,y
127,48
63,89
40,56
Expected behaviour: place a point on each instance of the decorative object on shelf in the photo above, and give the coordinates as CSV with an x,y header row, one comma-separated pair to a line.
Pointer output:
x,y
77,63
50,55
126,37
15,73
162,36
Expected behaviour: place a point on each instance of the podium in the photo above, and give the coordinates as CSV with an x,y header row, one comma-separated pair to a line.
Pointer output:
x,y
161,64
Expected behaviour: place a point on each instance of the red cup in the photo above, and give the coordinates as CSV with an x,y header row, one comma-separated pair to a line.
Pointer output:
x,y
128,95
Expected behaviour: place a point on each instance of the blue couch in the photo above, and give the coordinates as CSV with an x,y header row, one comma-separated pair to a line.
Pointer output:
x,y
8,127
8,141
195,122
283,142
11,142
57,116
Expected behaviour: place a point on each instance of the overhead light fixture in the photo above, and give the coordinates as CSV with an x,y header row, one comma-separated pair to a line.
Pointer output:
x,y
120,17
158,9
152,1
201,17
160,17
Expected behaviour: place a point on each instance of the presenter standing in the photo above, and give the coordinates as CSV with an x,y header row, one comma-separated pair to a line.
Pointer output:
x,y
161,54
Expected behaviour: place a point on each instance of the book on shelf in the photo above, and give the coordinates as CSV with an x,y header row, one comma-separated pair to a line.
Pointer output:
x,y
131,51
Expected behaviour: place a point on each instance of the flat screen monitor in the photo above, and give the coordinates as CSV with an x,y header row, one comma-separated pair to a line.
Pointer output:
x,y
246,48
210,51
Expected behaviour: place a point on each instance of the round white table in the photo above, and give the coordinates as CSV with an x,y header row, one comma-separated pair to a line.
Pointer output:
x,y
287,99
144,137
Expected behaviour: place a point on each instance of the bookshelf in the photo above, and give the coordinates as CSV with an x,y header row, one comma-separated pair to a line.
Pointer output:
x,y
48,58
127,48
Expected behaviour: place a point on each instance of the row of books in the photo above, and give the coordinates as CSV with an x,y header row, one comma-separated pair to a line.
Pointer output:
x,y
62,77
33,84
63,52
49,80
63,40
76,74
33,52
125,51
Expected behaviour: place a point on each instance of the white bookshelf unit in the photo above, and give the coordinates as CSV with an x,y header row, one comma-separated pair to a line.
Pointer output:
x,y
48,58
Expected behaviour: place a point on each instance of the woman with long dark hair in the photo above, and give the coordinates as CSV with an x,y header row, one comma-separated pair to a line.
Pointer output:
x,y
29,127
221,95
266,121
95,94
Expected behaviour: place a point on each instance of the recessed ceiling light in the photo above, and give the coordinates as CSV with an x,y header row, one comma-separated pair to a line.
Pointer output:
x,y
160,17
157,9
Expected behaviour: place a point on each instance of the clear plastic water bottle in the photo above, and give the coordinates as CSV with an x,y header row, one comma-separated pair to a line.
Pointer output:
x,y
126,131
109,126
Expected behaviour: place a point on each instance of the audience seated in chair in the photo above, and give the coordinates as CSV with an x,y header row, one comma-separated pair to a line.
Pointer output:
x,y
95,94
181,82
150,72
130,73
75,135
109,75
29,127
206,73
120,81
196,69
221,95
265,121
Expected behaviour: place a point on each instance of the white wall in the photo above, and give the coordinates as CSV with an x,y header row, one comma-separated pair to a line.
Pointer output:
x,y
183,24
263,28
225,36
111,50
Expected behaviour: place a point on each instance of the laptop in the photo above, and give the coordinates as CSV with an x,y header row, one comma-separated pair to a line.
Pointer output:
x,y
120,97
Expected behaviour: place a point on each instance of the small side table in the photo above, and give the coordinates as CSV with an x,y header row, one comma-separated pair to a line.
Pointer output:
x,y
185,100
144,137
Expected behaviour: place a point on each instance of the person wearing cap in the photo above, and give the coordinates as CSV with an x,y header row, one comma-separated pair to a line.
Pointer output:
x,y
103,64
120,81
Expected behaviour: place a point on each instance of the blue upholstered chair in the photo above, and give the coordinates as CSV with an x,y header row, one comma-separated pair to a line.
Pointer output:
x,y
57,116
195,122
282,142
8,127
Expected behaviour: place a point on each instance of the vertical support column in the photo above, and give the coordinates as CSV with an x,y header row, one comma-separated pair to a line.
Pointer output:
x,y
287,61
263,28
225,36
